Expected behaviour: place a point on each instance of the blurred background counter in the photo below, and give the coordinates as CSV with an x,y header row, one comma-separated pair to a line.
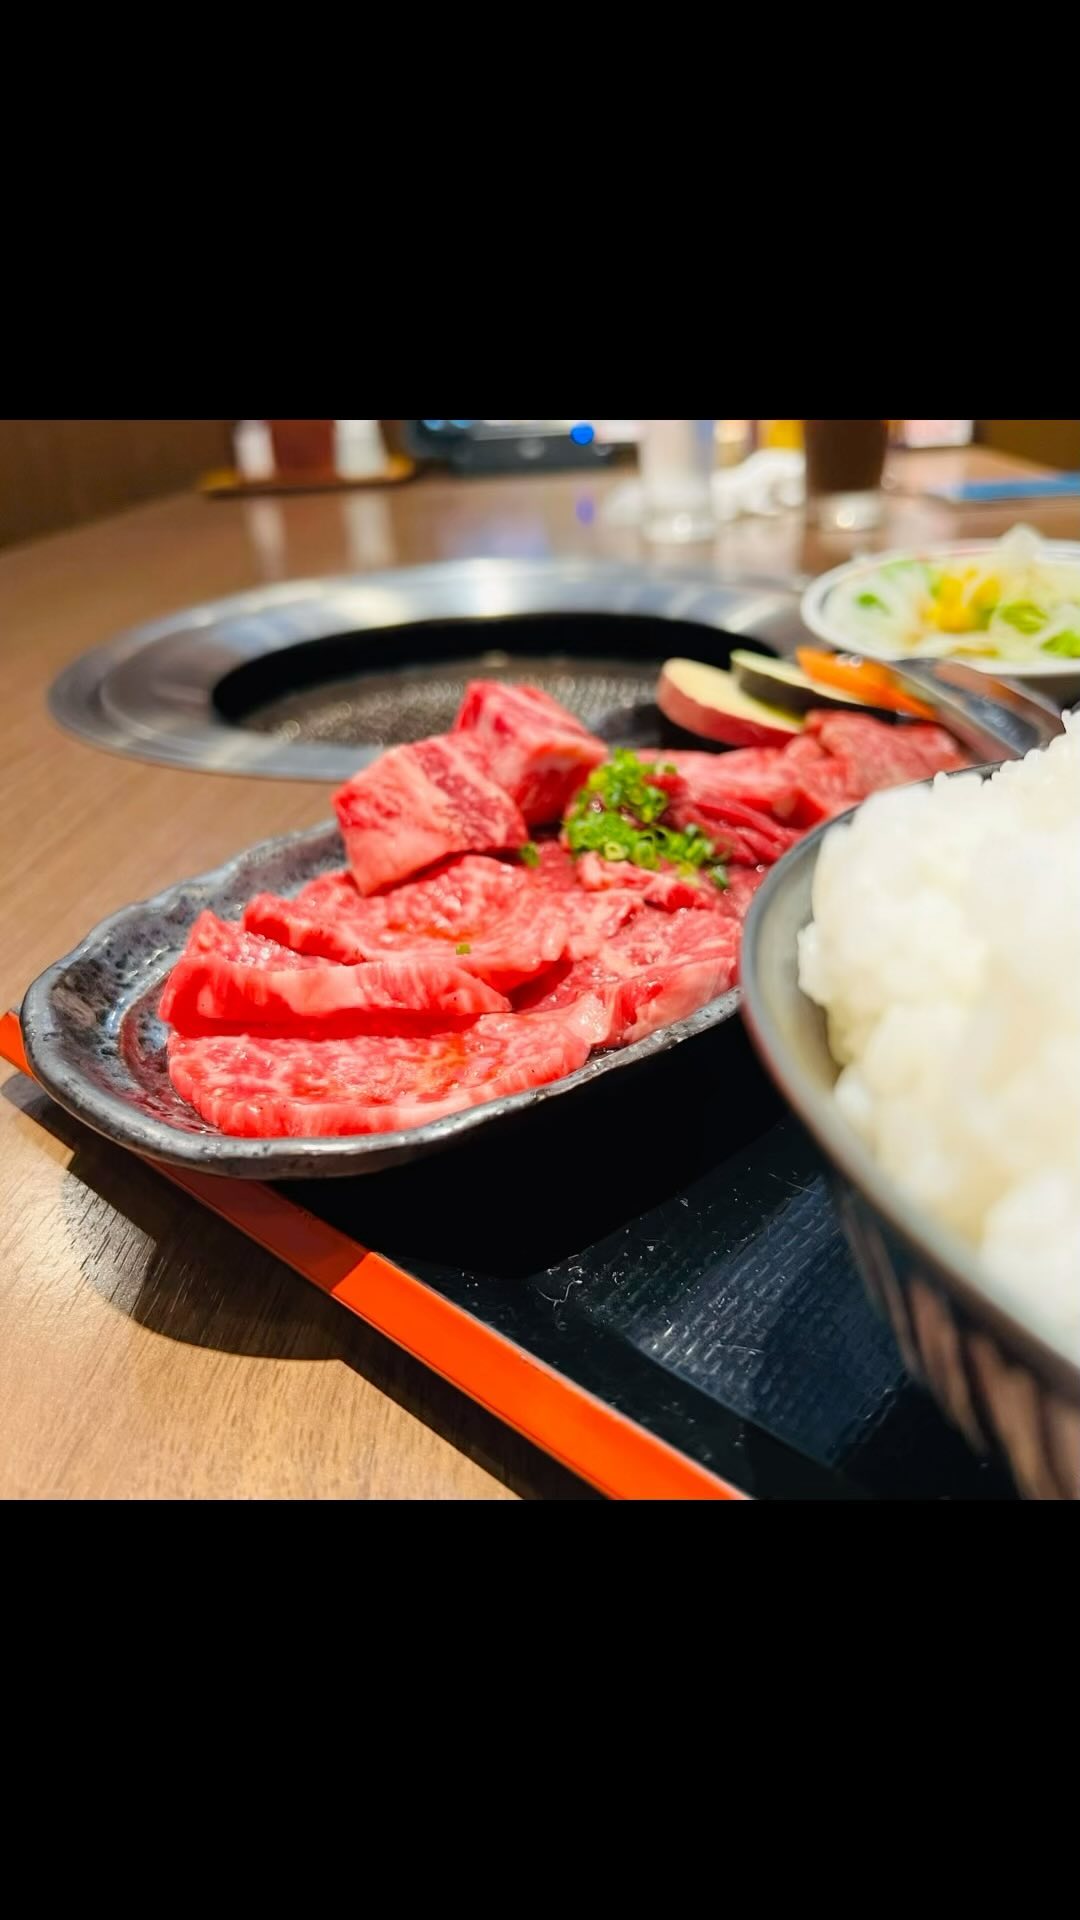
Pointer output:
x,y
59,473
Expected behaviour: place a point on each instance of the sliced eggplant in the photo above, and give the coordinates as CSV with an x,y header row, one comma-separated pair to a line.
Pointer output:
x,y
765,677
709,701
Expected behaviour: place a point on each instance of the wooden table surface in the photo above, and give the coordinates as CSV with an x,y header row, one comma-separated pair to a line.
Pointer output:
x,y
145,1349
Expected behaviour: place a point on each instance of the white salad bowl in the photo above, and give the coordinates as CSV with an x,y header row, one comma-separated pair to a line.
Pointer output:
x,y
819,609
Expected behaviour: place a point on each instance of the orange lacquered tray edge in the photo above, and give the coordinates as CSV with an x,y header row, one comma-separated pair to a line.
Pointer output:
x,y
227,484
611,1452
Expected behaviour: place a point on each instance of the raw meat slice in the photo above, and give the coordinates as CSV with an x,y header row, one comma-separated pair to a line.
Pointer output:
x,y
820,785
666,939
666,994
330,917
453,899
482,905
673,964
511,925
659,968
536,750
663,888
758,776
873,755
418,803
327,918
743,883
591,919
635,1007
697,797
557,868
560,873
840,759
570,874
226,975
565,873
301,1085
739,833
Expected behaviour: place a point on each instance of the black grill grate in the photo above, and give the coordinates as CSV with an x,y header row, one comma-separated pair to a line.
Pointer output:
x,y
613,697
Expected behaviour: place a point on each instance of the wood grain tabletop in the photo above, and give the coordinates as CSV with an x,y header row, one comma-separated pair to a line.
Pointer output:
x,y
147,1351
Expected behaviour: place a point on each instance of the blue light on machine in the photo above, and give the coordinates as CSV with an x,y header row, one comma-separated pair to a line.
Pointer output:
x,y
461,423
433,426
582,435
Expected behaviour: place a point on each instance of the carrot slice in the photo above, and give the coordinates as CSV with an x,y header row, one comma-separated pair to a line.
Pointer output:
x,y
861,678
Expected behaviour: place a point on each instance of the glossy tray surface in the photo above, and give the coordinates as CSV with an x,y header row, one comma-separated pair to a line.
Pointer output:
x,y
668,1243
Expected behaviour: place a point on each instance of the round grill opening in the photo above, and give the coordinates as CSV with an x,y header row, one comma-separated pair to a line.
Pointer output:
x,y
402,683
303,680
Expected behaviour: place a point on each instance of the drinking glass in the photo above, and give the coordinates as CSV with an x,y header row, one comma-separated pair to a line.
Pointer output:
x,y
676,460
845,460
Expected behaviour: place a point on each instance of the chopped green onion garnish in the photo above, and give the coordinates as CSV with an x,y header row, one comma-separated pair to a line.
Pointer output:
x,y
1024,616
617,814
464,947
1066,644
529,854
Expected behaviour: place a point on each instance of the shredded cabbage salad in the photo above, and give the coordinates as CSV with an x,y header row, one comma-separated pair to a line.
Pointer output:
x,y
1009,603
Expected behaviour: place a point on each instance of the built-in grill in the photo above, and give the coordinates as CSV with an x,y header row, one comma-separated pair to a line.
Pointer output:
x,y
296,681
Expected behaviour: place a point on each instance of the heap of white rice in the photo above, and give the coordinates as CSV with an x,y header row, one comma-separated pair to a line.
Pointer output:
x,y
945,949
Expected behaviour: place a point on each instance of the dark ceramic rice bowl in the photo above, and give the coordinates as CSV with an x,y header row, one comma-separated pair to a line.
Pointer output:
x,y
1004,1376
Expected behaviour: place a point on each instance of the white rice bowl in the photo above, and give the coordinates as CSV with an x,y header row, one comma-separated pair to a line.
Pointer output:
x,y
945,950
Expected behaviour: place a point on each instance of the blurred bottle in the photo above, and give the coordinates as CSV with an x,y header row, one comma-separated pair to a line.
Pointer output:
x,y
303,446
734,441
359,453
253,449
785,434
676,460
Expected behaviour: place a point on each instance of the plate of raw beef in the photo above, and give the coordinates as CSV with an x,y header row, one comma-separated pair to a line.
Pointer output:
x,y
501,914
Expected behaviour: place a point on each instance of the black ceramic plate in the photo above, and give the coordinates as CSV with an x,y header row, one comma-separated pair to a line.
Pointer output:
x,y
93,1038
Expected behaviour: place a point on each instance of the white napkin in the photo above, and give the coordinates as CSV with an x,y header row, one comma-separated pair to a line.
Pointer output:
x,y
769,482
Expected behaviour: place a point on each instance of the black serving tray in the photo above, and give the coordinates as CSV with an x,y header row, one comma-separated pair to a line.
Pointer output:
x,y
667,1242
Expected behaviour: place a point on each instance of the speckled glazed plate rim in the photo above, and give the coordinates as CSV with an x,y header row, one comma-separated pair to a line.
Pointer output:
x,y
1018,1321
49,1034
